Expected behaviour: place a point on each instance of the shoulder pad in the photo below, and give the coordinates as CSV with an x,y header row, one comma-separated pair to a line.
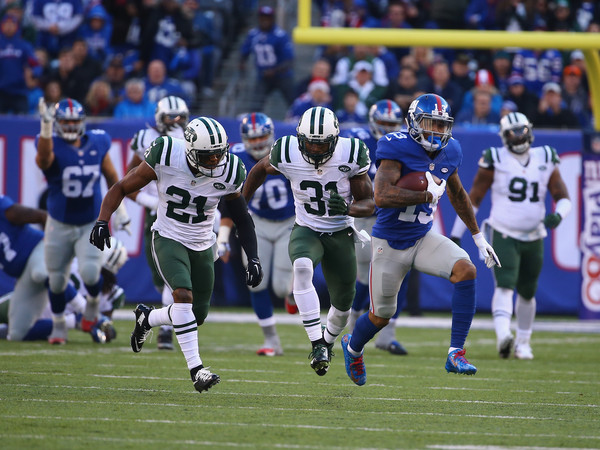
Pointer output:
x,y
159,151
276,152
488,156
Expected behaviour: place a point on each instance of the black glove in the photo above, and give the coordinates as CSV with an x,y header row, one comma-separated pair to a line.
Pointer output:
x,y
254,272
552,220
337,205
100,234
456,240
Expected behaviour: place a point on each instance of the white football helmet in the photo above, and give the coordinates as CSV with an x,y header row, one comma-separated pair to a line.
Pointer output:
x,y
116,256
318,126
516,132
207,148
170,112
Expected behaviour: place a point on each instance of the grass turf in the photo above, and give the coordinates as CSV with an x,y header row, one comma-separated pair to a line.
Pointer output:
x,y
89,394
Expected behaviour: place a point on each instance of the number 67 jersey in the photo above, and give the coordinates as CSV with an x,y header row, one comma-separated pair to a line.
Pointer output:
x,y
187,203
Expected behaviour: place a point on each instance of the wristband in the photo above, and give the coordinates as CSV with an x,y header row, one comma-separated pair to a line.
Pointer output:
x,y
224,232
563,207
46,129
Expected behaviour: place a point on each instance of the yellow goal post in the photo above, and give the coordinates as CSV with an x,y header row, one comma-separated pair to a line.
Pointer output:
x,y
588,43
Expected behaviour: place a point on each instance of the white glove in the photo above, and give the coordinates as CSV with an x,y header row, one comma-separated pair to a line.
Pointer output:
x,y
486,251
46,118
147,200
223,247
122,220
437,190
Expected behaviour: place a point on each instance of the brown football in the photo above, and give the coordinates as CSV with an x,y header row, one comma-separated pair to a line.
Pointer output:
x,y
415,181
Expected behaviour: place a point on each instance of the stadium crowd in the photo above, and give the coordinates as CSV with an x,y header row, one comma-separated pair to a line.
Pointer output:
x,y
92,51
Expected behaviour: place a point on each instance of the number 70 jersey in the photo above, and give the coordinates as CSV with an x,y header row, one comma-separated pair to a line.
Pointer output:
x,y
187,203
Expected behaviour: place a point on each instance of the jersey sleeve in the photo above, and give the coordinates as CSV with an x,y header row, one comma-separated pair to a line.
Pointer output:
x,y
487,158
5,203
359,154
275,157
551,155
154,153
386,149
237,174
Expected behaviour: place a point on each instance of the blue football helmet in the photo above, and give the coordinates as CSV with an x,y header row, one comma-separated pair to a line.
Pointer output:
x,y
258,134
385,117
429,122
70,120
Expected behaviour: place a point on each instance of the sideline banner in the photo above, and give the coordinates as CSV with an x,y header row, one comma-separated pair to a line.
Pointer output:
x,y
590,237
560,284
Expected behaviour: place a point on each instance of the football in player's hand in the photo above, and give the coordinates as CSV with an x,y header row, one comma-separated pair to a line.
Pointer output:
x,y
415,181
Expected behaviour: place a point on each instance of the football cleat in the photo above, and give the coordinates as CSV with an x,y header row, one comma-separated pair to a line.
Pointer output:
x,y
457,363
319,359
271,347
505,346
394,347
523,351
355,365
165,339
142,327
290,305
58,336
205,379
87,325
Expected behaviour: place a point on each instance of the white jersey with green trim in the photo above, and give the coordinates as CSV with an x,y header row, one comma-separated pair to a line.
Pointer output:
x,y
188,203
311,186
140,143
519,190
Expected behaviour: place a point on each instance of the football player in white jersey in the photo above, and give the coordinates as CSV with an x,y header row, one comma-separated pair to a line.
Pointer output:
x,y
331,186
171,117
192,175
519,177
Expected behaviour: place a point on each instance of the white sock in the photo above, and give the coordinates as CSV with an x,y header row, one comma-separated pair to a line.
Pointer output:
x,y
186,331
160,316
92,308
307,299
70,320
502,309
525,312
167,296
336,322
269,321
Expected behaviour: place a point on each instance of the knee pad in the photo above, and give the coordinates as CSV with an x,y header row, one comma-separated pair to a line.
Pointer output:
x,y
303,274
90,273
281,285
58,282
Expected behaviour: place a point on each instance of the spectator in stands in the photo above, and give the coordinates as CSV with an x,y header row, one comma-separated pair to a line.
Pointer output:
x,y
86,69
17,9
165,30
125,17
577,58
404,89
273,54
348,115
526,101
392,67
538,67
361,81
344,67
483,81
481,14
99,100
64,74
562,19
318,94
96,31
552,111
58,25
515,15
575,96
17,60
441,84
481,113
501,70
449,14
158,85
53,92
508,106
461,72
135,105
321,70
420,59
114,75
395,18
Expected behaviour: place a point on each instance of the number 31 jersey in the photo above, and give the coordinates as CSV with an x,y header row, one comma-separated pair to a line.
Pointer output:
x,y
519,191
187,203
311,186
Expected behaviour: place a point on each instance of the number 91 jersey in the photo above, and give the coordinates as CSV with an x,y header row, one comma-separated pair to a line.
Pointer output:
x,y
74,195
273,200
187,203
518,191
311,186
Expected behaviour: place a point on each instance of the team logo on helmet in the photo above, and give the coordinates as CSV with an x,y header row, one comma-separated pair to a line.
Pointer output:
x,y
190,135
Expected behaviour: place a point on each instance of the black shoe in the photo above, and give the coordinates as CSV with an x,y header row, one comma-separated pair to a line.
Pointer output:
x,y
319,359
142,327
165,339
205,379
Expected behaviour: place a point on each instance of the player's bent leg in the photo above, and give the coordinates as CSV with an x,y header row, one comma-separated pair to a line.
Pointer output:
x,y
502,309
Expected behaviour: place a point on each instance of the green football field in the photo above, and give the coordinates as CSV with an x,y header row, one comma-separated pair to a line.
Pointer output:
x,y
87,395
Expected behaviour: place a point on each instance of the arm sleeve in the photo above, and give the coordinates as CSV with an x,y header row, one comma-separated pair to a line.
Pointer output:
x,y
238,211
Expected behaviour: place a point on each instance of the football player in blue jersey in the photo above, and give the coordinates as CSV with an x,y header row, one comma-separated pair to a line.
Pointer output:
x,y
23,312
402,236
72,159
272,209
385,116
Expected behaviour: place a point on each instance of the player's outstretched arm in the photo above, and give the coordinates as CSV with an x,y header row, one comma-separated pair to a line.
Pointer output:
x,y
45,146
363,204
256,177
19,214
